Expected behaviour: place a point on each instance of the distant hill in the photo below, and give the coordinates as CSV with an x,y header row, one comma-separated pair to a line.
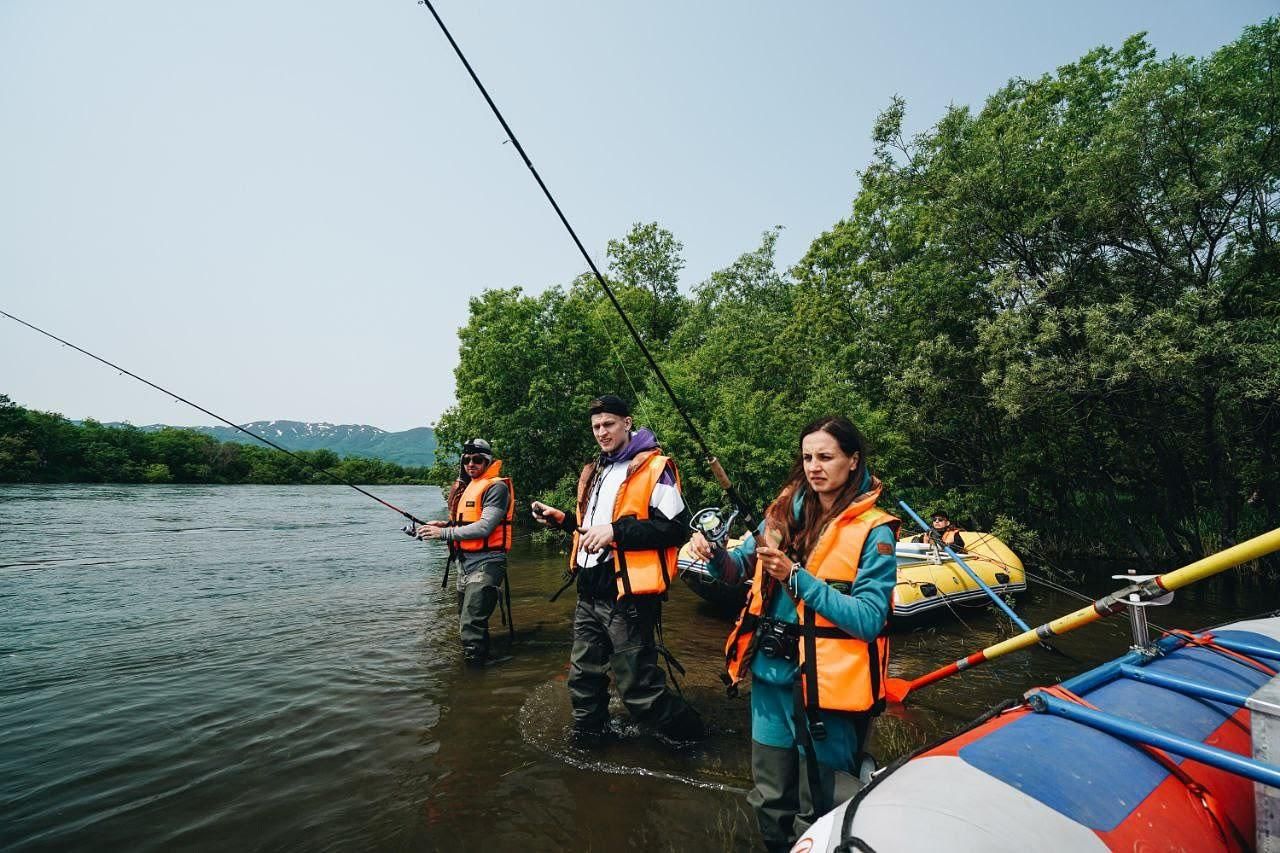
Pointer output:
x,y
411,447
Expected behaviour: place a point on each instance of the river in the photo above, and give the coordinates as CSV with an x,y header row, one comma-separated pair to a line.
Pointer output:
x,y
277,667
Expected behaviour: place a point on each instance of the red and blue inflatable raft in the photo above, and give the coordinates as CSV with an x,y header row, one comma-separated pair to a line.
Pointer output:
x,y
1044,774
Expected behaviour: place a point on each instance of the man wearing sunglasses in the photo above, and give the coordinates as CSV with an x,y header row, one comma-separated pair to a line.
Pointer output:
x,y
630,519
942,531
478,533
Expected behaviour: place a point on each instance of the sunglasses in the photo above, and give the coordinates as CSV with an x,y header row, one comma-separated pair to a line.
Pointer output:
x,y
472,460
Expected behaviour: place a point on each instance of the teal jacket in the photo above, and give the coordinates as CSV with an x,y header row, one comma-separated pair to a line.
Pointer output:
x,y
862,612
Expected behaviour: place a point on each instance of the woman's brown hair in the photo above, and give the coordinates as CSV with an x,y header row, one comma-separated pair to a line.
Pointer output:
x,y
799,535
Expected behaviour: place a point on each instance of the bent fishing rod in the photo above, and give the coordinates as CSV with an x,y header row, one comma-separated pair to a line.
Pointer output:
x,y
412,518
717,470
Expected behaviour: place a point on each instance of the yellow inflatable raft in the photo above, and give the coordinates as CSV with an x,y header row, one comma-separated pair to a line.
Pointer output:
x,y
929,581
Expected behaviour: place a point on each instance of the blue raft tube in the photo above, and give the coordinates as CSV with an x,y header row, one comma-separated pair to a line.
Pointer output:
x,y
1150,751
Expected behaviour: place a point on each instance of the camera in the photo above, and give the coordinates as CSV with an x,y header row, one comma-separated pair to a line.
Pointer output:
x,y
778,639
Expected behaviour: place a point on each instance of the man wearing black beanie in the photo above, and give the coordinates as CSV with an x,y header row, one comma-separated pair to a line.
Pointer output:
x,y
630,521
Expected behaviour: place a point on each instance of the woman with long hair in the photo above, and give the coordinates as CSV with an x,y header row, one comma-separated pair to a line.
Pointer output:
x,y
810,634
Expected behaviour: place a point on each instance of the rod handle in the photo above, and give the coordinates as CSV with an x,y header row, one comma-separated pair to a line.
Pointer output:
x,y
717,471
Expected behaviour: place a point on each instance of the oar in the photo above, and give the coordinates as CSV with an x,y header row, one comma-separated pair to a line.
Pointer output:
x,y
897,689
991,593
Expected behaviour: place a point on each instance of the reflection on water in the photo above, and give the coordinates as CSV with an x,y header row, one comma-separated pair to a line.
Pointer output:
x,y
267,667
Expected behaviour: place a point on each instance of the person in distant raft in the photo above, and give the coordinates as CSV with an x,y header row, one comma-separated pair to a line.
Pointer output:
x,y
629,522
810,632
478,533
942,531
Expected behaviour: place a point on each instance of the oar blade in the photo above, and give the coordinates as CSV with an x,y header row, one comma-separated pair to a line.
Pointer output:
x,y
896,689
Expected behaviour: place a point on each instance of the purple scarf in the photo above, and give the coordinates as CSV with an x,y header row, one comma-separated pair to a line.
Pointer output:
x,y
641,440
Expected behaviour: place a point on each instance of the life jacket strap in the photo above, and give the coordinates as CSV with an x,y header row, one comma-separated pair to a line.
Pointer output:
x,y
621,563
809,728
808,637
444,582
667,656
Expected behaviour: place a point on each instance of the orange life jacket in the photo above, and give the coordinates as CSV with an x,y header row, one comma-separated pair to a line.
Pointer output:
x,y
838,672
948,536
638,572
468,506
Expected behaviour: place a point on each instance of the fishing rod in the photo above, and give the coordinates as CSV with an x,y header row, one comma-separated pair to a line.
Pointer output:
x,y
717,470
412,518
897,689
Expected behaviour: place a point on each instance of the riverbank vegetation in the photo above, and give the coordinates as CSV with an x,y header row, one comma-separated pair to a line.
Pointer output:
x,y
41,447
1057,316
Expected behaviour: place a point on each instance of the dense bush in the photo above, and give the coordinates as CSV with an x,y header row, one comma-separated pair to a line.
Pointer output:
x,y
1058,314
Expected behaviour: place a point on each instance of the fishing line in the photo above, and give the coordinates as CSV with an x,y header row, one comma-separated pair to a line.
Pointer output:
x,y
716,468
248,432
613,347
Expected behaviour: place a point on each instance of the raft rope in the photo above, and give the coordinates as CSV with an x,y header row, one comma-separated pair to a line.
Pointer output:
x,y
748,516
1205,641
198,407
945,598
950,606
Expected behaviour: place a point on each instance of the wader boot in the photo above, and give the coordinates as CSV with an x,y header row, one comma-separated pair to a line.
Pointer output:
x,y
619,636
782,796
476,603
775,796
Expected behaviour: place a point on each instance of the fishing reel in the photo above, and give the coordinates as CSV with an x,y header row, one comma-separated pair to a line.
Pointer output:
x,y
410,529
714,524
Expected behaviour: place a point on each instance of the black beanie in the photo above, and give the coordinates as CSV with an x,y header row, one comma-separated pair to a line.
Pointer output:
x,y
611,403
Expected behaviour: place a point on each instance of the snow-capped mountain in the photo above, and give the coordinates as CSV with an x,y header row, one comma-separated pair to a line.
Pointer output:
x,y
411,447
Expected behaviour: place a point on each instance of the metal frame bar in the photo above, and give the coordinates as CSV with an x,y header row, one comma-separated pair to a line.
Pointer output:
x,y
1183,686
1129,730
1246,648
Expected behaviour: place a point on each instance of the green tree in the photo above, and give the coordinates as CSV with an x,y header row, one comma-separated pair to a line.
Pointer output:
x,y
47,448
1056,314
649,260
1075,279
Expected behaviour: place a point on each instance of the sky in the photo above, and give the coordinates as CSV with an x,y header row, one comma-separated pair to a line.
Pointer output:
x,y
279,210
